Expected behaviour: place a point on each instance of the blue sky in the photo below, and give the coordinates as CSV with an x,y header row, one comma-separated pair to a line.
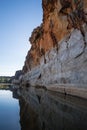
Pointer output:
x,y
18,18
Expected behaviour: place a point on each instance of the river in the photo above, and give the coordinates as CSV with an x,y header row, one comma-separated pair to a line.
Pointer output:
x,y
9,111
50,111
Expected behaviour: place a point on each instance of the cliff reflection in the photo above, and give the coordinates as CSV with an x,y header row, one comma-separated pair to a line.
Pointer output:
x,y
28,118
53,111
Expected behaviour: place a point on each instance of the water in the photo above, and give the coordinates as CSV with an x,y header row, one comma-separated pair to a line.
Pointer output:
x,y
9,111
44,110
52,111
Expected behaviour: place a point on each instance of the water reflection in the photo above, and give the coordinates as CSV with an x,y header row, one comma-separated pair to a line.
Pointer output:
x,y
9,111
28,118
42,110
52,111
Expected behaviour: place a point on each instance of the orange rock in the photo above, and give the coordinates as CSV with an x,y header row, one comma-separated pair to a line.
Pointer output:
x,y
59,17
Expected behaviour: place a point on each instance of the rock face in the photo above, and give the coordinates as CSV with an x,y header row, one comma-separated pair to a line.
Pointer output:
x,y
59,17
58,53
16,79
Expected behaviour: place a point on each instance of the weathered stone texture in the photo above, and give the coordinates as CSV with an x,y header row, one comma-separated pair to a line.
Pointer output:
x,y
59,45
67,65
59,18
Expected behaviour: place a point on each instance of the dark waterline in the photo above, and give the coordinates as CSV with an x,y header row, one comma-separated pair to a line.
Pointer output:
x,y
9,111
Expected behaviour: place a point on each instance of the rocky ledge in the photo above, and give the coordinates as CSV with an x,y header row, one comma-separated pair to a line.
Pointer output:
x,y
57,59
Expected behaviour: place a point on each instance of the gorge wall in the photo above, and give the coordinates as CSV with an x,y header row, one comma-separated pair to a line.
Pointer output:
x,y
58,55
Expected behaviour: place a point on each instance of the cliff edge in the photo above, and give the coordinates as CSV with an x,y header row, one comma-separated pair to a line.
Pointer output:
x,y
58,55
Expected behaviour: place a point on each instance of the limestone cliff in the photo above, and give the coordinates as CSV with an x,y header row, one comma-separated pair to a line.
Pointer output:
x,y
58,51
59,17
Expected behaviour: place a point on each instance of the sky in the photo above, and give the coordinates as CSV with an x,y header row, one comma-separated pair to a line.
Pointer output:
x,y
18,18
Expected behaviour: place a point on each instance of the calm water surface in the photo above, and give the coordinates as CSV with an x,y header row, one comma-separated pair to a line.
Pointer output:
x,y
9,111
44,110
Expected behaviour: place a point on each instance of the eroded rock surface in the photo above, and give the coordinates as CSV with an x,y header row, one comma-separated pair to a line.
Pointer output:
x,y
64,65
59,18
58,53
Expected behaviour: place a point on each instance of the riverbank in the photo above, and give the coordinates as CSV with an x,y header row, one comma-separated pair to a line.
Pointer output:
x,y
77,90
69,89
5,85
